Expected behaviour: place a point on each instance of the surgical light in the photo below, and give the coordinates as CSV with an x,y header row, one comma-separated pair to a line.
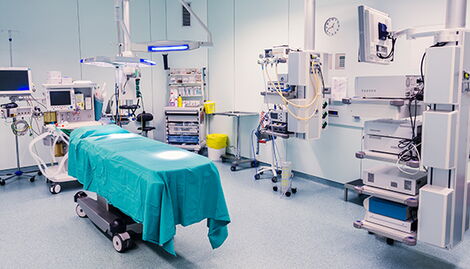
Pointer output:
x,y
104,61
168,48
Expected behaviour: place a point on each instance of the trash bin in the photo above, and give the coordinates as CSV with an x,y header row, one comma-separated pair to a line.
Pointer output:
x,y
216,146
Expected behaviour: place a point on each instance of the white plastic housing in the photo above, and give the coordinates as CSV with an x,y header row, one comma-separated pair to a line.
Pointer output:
x,y
442,76
434,215
439,134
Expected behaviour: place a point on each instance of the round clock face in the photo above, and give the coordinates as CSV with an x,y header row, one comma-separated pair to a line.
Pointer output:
x,y
331,26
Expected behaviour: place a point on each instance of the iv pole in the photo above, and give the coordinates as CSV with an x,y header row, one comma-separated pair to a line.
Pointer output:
x,y
18,173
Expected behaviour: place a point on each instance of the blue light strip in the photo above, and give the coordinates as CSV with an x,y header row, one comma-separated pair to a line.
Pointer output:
x,y
168,48
145,61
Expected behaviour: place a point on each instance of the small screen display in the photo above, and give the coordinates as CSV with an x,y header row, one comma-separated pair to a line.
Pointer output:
x,y
60,98
14,80
274,116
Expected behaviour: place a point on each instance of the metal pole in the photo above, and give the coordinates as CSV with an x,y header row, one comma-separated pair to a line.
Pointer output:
x,y
17,146
309,28
238,138
118,17
10,40
126,25
456,13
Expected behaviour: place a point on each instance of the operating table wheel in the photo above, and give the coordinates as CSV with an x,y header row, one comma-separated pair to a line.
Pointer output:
x,y
233,168
32,179
2,182
121,242
80,212
257,176
55,188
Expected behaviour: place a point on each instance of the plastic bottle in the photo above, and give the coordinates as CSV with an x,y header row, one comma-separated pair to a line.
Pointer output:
x,y
180,101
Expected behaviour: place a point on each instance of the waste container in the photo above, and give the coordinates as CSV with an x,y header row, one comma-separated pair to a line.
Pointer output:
x,y
216,146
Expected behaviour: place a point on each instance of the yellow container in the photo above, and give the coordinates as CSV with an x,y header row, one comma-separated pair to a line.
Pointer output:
x,y
217,141
209,107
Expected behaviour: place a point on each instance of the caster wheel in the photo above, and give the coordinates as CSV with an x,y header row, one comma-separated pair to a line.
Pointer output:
x,y
55,188
390,241
294,190
274,188
288,194
257,176
39,173
274,179
80,212
254,163
233,168
121,242
32,179
2,182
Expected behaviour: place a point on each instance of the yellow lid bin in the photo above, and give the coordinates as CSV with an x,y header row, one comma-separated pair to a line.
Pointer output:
x,y
217,141
216,146
209,107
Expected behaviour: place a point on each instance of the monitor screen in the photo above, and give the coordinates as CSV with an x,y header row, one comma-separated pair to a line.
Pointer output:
x,y
14,81
60,98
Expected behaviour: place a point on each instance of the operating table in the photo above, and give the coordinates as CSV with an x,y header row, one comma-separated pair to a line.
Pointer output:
x,y
144,187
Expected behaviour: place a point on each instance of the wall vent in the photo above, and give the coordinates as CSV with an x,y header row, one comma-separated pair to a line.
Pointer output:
x,y
186,16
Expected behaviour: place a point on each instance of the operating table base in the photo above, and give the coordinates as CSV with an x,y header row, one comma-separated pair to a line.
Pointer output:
x,y
118,226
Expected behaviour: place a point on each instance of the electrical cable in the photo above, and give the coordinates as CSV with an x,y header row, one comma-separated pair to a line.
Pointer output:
x,y
392,51
19,127
314,99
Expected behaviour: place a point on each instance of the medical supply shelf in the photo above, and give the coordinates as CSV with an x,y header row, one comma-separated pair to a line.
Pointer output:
x,y
185,127
189,84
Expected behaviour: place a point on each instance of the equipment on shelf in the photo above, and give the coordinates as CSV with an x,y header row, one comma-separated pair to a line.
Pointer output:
x,y
400,141
388,87
389,177
188,85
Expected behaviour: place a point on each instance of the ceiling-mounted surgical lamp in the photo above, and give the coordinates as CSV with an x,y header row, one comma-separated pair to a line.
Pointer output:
x,y
117,61
176,45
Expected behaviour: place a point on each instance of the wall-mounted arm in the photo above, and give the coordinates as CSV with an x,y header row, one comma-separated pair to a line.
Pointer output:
x,y
209,35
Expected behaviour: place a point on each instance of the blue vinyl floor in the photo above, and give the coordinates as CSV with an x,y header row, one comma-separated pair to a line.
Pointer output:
x,y
311,230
